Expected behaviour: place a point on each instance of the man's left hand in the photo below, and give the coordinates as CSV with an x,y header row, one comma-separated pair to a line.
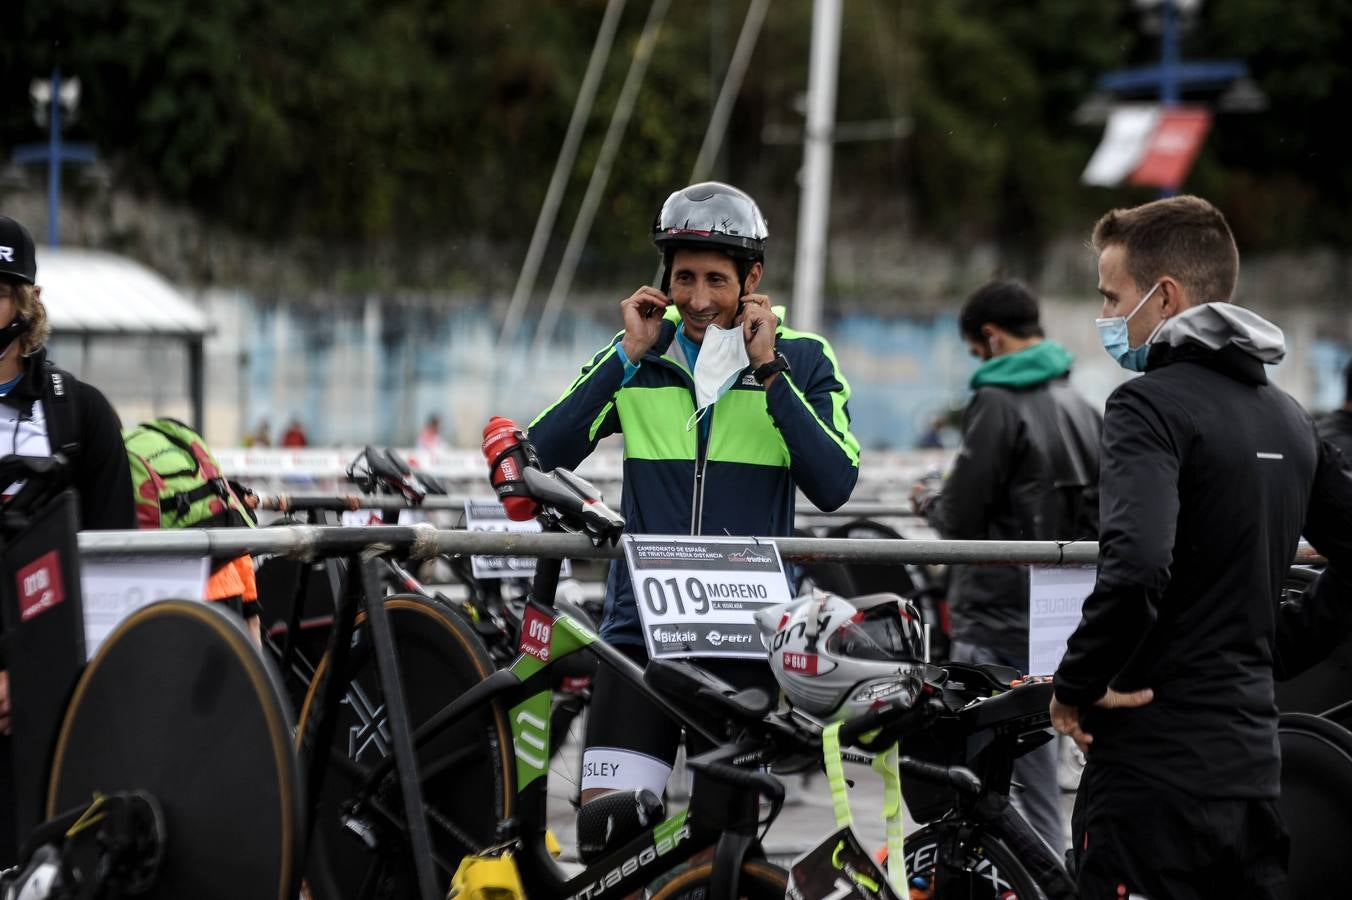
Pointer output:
x,y
1066,718
758,329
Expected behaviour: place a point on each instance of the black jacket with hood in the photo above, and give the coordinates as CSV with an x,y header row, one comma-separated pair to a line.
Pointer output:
x,y
1027,470
1210,475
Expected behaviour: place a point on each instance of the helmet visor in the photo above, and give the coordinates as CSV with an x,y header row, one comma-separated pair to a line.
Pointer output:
x,y
886,633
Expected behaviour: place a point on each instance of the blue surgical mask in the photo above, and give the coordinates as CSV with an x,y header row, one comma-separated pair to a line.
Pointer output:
x,y
1114,336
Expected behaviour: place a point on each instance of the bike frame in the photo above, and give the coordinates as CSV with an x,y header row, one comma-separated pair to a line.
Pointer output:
x,y
720,815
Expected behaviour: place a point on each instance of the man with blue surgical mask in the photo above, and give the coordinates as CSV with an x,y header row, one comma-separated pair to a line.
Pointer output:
x,y
1210,474
726,413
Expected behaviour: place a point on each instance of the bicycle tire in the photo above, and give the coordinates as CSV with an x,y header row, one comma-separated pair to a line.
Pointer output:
x,y
209,736
990,870
440,657
1316,803
759,881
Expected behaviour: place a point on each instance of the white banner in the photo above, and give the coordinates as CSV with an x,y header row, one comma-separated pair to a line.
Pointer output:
x,y
1056,596
115,587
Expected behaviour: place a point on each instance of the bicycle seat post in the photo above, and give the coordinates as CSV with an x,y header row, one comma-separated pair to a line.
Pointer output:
x,y
546,582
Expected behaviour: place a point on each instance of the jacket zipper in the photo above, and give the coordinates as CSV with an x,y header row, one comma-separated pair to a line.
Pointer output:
x,y
697,512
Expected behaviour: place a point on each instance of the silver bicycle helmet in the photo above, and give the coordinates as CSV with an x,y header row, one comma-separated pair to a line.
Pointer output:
x,y
836,658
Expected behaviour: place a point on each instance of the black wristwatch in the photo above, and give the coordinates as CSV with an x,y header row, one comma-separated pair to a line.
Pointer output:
x,y
764,371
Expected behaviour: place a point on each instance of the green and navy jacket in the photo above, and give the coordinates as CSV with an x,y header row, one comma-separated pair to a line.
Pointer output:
x,y
737,476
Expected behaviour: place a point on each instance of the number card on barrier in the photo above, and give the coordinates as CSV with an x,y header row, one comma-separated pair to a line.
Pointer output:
x,y
488,515
115,587
1056,597
696,595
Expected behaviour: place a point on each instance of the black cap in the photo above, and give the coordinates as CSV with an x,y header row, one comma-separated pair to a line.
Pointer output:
x,y
17,256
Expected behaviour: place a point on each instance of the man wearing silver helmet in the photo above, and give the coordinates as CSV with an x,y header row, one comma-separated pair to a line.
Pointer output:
x,y
726,413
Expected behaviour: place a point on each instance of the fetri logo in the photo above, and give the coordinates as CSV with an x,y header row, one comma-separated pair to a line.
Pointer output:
x,y
536,630
40,586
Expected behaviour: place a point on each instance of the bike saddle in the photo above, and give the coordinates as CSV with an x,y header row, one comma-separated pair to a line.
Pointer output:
x,y
1022,708
687,685
980,679
573,503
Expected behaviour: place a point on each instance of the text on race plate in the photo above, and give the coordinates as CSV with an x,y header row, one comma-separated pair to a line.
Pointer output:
x,y
697,596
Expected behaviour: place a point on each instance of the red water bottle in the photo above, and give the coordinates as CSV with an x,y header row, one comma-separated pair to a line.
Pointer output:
x,y
506,455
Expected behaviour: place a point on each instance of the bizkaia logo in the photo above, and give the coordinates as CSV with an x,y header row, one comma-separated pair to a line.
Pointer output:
x,y
748,555
40,586
802,663
536,630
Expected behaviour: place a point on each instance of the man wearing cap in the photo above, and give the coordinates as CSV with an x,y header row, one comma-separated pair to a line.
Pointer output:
x,y
44,410
726,413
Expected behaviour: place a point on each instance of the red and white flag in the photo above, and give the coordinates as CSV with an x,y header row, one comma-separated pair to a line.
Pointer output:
x,y
1149,145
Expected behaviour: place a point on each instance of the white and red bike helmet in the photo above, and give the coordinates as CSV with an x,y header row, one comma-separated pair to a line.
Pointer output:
x,y
836,658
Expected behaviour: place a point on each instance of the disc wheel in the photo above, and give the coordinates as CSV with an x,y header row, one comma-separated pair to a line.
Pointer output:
x,y
177,703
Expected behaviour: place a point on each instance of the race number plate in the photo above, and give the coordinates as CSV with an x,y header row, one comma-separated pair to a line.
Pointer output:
x,y
696,596
488,515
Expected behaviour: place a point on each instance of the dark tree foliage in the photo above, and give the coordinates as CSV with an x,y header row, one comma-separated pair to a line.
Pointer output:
x,y
431,122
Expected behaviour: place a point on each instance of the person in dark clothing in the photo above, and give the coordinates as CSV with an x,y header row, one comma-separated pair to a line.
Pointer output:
x,y
1336,427
1210,474
1027,469
44,411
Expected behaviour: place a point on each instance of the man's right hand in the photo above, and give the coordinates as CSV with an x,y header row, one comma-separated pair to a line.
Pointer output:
x,y
642,312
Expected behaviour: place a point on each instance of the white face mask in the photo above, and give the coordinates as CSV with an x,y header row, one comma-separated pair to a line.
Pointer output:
x,y
722,357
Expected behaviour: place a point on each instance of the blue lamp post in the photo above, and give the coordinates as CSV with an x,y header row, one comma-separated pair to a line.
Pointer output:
x,y
48,98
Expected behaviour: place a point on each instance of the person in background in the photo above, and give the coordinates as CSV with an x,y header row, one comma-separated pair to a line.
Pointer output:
x,y
45,411
1027,469
1336,427
430,438
294,436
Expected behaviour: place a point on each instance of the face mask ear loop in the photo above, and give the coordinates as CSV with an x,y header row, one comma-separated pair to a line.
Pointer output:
x,y
695,417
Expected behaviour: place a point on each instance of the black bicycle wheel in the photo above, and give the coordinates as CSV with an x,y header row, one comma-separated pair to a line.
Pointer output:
x,y
466,771
759,881
990,870
1316,803
179,704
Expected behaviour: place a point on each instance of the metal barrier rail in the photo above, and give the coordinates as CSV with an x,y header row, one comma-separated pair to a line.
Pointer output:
x,y
420,541
863,509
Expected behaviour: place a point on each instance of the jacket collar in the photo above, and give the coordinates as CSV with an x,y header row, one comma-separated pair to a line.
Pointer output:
x,y
1229,360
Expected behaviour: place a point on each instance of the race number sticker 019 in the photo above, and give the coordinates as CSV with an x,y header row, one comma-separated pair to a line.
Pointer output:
x,y
697,596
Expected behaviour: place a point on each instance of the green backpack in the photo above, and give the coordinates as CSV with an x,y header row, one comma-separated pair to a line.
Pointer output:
x,y
177,481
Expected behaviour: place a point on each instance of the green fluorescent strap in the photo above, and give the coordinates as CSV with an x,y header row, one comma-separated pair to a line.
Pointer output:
x,y
654,422
835,774
888,765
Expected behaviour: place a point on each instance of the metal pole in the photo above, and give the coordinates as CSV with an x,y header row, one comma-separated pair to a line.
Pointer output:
x,y
310,541
405,759
814,210
558,182
197,384
619,122
727,95
54,162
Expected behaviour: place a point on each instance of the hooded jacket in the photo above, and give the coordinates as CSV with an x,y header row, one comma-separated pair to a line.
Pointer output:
x,y
1210,476
737,476
1027,470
